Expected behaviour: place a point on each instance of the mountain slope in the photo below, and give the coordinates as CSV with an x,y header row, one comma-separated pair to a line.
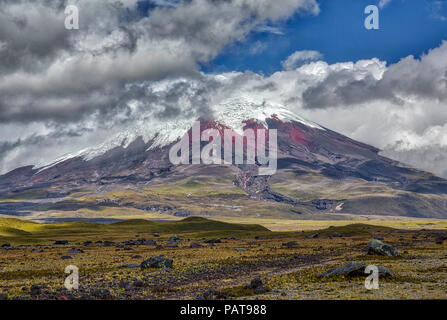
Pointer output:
x,y
319,171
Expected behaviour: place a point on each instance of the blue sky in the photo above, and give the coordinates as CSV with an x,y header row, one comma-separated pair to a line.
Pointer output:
x,y
338,32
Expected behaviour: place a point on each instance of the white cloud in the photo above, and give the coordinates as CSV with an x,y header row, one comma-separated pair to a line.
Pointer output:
x,y
72,93
383,3
300,57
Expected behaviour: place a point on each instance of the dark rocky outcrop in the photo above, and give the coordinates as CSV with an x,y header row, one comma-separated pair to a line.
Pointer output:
x,y
61,242
355,269
381,248
195,245
217,240
290,244
157,262
257,285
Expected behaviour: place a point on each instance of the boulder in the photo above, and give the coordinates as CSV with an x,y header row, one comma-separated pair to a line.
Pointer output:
x,y
350,269
195,245
217,240
130,265
385,272
336,235
355,269
6,245
378,237
35,290
381,248
290,244
174,239
73,250
212,295
257,285
63,242
157,262
36,250
313,236
66,257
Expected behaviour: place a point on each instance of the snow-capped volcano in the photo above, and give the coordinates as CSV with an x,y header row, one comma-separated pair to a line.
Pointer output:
x,y
232,113
307,152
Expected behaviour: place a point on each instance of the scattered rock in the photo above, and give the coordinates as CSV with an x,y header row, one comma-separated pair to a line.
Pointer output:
x,y
313,236
156,235
35,290
174,239
73,250
385,272
212,295
440,238
290,244
257,285
66,257
157,262
125,285
37,250
130,265
217,240
171,245
195,245
87,243
101,293
63,242
336,235
108,243
378,238
260,290
381,248
355,269
350,269
150,242
138,283
241,249
6,245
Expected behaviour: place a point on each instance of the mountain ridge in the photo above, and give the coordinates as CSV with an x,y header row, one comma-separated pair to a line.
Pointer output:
x,y
352,175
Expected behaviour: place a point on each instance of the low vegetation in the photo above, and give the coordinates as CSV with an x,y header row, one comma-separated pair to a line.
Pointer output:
x,y
212,260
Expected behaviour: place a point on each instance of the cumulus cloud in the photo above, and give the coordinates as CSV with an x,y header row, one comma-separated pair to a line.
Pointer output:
x,y
383,3
299,58
45,68
101,76
62,91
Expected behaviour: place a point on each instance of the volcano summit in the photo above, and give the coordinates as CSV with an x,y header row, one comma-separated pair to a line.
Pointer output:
x,y
318,172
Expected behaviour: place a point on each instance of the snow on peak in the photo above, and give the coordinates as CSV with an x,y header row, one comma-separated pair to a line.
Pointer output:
x,y
231,113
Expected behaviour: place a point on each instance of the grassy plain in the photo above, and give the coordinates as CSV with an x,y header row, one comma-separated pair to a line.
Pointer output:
x,y
33,268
